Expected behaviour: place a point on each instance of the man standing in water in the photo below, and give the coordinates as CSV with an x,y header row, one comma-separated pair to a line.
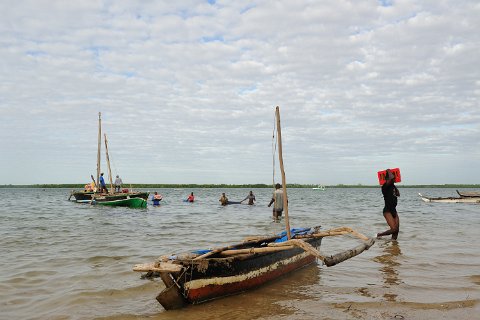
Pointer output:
x,y
250,197
390,195
223,199
277,201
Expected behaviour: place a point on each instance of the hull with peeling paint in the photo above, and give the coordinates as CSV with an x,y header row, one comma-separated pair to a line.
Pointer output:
x,y
229,276
192,281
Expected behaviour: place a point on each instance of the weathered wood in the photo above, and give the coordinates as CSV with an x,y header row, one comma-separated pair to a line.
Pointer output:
x,y
255,250
214,251
108,164
157,267
99,149
284,181
342,256
307,247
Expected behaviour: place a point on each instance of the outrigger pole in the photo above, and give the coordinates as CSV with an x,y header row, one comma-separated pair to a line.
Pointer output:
x,y
99,147
284,182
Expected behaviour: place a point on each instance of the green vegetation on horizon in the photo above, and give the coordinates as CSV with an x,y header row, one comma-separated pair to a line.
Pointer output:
x,y
219,186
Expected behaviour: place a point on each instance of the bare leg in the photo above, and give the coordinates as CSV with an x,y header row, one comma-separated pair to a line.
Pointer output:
x,y
397,224
392,223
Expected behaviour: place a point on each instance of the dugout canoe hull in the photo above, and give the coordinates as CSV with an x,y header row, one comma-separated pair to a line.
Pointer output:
x,y
130,202
83,196
197,281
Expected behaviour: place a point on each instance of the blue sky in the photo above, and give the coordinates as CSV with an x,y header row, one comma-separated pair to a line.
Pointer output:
x,y
188,90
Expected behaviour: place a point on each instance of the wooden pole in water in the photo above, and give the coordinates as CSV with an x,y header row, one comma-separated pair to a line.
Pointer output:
x,y
284,182
99,148
108,163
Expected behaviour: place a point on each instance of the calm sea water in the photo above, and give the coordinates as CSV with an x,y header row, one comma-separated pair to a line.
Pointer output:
x,y
63,260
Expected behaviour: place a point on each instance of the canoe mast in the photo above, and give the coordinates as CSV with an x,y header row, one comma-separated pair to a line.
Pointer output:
x,y
284,182
108,163
98,150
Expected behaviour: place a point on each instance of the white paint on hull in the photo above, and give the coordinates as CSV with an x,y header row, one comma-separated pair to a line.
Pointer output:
x,y
217,281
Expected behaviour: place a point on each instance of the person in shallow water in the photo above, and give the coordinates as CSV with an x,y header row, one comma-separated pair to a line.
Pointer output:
x,y
191,197
156,198
223,199
390,195
250,197
277,200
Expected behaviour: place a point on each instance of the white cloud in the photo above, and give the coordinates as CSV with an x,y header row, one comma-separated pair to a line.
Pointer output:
x,y
187,90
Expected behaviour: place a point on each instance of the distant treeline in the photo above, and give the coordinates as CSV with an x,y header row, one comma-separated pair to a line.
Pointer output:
x,y
247,186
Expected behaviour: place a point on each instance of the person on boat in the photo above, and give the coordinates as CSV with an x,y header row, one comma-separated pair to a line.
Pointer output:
x,y
250,197
191,197
118,184
156,198
277,200
223,199
390,195
103,186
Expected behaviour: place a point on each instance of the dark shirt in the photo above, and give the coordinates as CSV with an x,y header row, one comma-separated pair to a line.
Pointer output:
x,y
390,192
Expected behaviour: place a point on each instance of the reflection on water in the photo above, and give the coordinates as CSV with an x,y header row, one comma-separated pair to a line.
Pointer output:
x,y
390,266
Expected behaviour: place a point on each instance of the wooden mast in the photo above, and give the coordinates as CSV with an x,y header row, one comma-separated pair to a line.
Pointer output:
x,y
98,151
284,182
108,163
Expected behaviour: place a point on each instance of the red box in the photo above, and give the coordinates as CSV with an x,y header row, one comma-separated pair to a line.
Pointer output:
x,y
396,173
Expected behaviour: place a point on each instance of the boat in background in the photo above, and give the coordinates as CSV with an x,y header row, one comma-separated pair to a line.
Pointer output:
x,y
127,202
90,194
319,187
469,194
203,275
450,199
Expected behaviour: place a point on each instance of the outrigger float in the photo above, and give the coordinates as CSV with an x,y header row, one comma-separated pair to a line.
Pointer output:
x,y
200,276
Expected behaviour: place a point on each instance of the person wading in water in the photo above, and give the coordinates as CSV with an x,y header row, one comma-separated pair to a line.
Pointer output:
x,y
390,195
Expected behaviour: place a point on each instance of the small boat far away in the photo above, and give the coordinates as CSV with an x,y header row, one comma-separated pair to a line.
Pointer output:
x,y
469,194
450,199
319,187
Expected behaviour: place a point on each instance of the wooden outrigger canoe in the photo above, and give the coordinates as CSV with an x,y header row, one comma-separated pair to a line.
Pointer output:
x,y
201,276
450,199
194,278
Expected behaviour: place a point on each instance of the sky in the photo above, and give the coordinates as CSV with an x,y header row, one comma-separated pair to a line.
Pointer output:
x,y
188,90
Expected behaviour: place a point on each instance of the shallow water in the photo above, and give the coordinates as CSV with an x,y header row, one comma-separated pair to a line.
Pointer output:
x,y
62,260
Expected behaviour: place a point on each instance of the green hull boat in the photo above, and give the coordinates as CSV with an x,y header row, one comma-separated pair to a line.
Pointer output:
x,y
131,202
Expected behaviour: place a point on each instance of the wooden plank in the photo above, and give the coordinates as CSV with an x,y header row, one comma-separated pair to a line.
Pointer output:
x,y
157,267
255,250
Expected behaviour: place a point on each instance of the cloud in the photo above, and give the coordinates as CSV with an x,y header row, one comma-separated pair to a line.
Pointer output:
x,y
187,90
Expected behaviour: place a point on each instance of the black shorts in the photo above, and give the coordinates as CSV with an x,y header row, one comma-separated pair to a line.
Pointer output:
x,y
393,211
